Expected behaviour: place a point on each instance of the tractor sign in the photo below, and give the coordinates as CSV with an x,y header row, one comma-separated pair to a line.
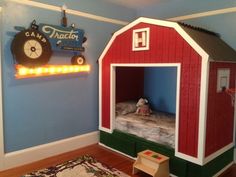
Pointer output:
x,y
34,46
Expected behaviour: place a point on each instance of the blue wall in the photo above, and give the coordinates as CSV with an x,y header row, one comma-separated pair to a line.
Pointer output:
x,y
221,23
43,110
160,88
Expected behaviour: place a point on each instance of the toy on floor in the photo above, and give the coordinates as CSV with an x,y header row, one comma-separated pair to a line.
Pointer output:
x,y
143,107
152,163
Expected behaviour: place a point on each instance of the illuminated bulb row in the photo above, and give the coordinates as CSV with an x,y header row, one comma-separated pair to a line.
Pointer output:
x,y
50,70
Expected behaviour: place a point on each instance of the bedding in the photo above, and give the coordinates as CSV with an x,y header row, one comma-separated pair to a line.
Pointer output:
x,y
159,127
123,108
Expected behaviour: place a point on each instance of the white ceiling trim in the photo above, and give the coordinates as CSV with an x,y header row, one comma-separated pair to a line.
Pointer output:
x,y
70,11
204,14
121,22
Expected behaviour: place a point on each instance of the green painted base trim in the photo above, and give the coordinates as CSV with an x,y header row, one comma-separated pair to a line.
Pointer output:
x,y
131,145
213,167
119,142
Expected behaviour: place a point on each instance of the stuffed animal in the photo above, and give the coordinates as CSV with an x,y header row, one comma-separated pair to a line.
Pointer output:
x,y
143,107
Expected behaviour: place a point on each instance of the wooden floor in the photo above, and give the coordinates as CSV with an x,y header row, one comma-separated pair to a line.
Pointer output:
x,y
102,154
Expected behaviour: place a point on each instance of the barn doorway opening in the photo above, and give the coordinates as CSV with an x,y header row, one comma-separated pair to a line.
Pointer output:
x,y
159,85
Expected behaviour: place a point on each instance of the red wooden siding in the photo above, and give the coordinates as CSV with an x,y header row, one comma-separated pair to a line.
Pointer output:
x,y
166,46
129,83
220,113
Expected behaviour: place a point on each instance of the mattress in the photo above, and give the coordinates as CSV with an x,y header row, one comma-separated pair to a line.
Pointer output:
x,y
159,127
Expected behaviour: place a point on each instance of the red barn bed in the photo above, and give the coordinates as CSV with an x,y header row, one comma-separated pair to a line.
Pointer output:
x,y
205,66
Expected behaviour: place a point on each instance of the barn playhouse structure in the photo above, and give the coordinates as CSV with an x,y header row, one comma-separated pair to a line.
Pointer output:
x,y
184,72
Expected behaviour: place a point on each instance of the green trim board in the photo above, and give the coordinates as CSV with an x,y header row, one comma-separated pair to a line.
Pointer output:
x,y
212,167
118,142
131,145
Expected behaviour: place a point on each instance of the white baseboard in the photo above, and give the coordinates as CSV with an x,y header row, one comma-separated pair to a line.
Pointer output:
x,y
29,155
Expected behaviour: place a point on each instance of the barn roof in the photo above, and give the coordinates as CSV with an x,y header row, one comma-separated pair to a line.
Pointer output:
x,y
211,42
208,44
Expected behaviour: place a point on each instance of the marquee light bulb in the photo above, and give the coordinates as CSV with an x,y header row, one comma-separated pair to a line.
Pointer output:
x,y
39,71
23,72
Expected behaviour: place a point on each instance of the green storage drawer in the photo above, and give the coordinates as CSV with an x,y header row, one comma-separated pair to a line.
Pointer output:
x,y
131,145
121,144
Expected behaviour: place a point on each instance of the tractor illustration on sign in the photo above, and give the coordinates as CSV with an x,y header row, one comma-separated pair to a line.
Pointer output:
x,y
34,46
